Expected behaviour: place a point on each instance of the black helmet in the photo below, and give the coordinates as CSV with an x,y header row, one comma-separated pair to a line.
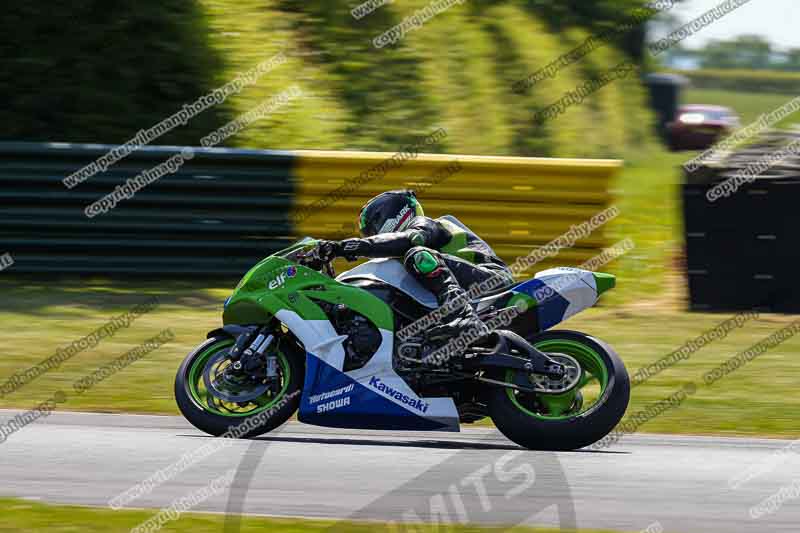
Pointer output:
x,y
389,211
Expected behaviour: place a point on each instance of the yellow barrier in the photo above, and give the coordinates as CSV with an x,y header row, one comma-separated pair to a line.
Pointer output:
x,y
515,203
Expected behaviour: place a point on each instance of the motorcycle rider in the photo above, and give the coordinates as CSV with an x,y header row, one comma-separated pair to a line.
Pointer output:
x,y
443,256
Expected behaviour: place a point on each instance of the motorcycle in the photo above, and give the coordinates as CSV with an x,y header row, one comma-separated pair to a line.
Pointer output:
x,y
297,338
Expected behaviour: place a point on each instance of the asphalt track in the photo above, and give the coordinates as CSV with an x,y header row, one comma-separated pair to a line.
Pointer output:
x,y
477,475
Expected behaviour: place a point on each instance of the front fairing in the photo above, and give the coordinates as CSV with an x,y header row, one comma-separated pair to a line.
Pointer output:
x,y
373,396
279,283
272,285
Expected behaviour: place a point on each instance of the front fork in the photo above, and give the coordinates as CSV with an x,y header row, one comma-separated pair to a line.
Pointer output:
x,y
248,353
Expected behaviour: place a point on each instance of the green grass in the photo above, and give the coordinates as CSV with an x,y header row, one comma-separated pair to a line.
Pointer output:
x,y
644,319
749,105
22,515
647,194
759,399
760,81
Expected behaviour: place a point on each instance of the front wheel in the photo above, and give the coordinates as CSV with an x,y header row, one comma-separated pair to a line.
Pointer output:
x,y
214,399
572,419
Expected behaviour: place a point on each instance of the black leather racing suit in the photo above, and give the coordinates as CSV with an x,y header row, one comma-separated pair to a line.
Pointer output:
x,y
462,257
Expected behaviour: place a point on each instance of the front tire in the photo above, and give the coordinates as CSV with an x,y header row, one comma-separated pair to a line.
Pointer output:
x,y
214,417
564,422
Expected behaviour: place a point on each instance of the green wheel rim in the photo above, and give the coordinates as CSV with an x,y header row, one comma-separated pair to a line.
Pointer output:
x,y
196,377
592,368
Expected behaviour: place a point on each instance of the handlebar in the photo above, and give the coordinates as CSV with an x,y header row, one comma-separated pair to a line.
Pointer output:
x,y
313,260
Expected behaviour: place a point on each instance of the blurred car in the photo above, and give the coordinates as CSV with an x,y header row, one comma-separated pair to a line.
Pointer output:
x,y
697,127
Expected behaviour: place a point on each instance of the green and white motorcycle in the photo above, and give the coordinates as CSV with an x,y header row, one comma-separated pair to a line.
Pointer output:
x,y
298,337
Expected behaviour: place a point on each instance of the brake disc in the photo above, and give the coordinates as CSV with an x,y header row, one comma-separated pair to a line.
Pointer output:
x,y
230,386
572,376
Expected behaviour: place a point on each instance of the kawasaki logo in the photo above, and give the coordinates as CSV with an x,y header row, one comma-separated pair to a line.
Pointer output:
x,y
414,403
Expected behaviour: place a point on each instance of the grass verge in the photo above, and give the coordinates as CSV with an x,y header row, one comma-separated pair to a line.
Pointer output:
x,y
749,105
22,515
644,319
758,399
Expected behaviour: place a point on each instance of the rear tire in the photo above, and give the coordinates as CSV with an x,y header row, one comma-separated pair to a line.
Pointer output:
x,y
205,419
540,432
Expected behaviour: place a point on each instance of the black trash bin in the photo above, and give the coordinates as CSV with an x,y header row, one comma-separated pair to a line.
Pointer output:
x,y
665,96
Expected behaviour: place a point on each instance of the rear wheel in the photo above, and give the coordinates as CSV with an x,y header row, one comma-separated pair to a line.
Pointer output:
x,y
572,419
213,397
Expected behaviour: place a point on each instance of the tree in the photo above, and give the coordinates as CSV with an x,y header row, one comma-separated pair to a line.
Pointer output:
x,y
744,52
792,60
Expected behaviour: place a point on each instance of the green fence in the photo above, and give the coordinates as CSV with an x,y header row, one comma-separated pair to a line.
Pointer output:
x,y
215,216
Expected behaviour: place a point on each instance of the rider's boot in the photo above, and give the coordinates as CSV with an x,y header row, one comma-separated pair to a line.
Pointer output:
x,y
459,317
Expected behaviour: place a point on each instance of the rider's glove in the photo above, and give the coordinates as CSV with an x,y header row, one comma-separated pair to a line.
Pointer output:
x,y
329,250
351,249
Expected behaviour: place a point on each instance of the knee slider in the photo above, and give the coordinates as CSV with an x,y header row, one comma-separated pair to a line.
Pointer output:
x,y
422,260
